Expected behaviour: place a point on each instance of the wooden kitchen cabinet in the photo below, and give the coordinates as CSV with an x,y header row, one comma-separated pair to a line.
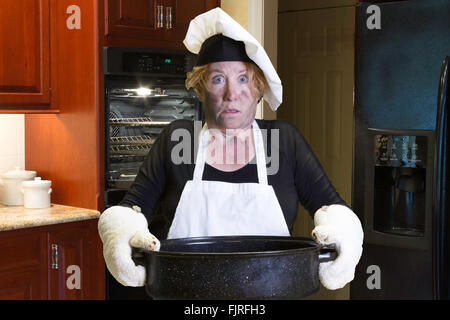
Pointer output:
x,y
61,261
151,23
76,265
134,19
25,54
23,267
68,148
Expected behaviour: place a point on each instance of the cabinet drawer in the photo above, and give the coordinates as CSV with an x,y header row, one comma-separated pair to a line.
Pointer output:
x,y
19,249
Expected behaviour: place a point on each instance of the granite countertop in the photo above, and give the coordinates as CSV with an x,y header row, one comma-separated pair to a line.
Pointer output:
x,y
18,217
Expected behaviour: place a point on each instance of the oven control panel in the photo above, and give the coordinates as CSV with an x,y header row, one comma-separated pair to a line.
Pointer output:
x,y
154,63
147,61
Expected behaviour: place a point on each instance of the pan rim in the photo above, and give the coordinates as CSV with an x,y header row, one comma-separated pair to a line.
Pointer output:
x,y
311,246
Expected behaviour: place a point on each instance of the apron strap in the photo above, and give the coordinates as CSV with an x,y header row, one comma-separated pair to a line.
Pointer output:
x,y
260,155
259,150
203,139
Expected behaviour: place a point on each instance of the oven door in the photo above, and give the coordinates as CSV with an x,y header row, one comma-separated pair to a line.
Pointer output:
x,y
136,111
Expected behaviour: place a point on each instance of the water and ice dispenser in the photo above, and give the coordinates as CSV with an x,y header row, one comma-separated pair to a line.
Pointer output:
x,y
400,170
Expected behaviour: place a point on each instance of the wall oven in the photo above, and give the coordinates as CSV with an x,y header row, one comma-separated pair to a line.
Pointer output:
x,y
144,92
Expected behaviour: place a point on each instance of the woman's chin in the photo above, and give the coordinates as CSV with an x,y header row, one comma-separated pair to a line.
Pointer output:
x,y
234,123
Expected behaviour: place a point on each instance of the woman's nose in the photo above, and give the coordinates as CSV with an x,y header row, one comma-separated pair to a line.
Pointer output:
x,y
231,91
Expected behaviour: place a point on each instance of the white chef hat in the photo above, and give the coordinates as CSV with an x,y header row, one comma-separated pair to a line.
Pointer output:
x,y
215,36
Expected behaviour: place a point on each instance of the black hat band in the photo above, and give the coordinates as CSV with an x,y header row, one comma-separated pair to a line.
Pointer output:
x,y
221,48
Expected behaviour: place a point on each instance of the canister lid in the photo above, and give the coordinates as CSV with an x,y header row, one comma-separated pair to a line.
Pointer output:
x,y
17,173
37,183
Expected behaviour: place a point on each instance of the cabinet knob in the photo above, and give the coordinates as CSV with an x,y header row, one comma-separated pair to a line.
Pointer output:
x,y
55,256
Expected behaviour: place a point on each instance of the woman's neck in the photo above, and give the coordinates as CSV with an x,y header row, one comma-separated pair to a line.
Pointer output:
x,y
230,149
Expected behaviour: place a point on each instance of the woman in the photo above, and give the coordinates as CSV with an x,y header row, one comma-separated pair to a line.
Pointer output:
x,y
228,190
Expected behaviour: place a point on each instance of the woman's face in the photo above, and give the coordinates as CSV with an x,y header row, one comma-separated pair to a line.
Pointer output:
x,y
229,99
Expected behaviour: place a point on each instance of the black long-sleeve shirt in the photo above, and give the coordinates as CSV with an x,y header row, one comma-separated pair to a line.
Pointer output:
x,y
299,179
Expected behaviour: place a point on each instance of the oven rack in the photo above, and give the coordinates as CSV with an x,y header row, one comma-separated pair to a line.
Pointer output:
x,y
134,150
128,96
137,122
120,159
131,140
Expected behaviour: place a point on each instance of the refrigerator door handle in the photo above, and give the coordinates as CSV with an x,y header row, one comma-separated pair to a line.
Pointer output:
x,y
441,285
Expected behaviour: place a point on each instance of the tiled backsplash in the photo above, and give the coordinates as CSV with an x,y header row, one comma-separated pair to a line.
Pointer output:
x,y
12,142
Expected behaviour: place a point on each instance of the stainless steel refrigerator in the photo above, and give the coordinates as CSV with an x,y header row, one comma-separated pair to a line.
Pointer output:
x,y
401,150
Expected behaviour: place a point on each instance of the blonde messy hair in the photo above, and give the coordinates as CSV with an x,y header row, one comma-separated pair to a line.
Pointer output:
x,y
197,78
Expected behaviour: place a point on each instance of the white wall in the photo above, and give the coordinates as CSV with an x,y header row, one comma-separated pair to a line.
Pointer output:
x,y
12,142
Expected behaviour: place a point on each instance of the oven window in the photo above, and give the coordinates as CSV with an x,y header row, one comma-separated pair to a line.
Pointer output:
x,y
135,116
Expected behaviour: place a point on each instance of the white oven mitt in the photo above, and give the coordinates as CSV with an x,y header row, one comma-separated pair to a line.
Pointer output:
x,y
339,225
121,228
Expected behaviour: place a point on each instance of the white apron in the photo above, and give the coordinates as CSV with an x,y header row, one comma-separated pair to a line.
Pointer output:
x,y
216,208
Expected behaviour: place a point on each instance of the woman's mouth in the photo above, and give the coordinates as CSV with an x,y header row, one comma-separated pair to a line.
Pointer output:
x,y
231,111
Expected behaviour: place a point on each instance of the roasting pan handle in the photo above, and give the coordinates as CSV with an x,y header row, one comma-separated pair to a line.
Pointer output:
x,y
327,253
138,257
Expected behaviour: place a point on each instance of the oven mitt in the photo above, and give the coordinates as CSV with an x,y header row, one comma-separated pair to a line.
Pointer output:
x,y
120,229
339,225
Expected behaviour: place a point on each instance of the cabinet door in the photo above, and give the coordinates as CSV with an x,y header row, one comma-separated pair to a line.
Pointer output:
x,y
24,54
151,23
23,268
75,262
22,284
135,19
182,13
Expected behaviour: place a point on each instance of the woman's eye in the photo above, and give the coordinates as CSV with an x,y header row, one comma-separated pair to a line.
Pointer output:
x,y
218,79
243,79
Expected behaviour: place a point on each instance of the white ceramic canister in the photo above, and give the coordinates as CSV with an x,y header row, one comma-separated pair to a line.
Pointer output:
x,y
36,193
11,185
